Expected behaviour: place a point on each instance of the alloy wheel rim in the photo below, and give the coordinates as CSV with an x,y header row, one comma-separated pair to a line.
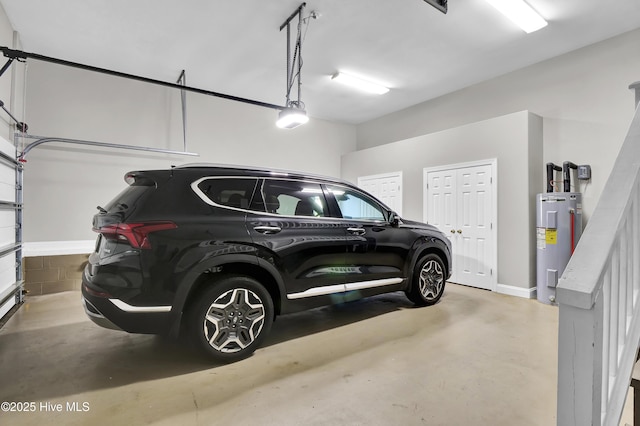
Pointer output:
x,y
431,279
234,320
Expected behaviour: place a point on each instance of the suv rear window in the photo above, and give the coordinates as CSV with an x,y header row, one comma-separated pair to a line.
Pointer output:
x,y
229,192
127,198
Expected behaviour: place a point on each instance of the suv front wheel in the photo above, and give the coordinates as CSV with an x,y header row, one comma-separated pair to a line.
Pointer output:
x,y
231,318
428,281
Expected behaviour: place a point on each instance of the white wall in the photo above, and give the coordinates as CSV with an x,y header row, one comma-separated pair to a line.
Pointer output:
x,y
64,184
514,139
582,96
11,82
6,39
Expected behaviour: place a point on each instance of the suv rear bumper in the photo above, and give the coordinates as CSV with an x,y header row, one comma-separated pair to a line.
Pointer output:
x,y
116,314
96,316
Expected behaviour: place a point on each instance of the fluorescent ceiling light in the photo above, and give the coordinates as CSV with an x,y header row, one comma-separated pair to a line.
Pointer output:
x,y
291,117
358,83
520,13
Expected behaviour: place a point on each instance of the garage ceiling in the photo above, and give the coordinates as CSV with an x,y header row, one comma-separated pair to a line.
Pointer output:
x,y
235,47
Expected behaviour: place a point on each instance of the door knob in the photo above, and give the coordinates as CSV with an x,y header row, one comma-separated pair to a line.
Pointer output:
x,y
453,231
459,231
356,231
268,229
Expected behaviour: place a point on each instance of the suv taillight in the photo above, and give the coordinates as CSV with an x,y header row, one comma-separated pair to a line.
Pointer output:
x,y
136,234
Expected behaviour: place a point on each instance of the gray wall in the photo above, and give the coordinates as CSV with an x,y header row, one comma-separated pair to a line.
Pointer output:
x,y
583,97
64,184
514,139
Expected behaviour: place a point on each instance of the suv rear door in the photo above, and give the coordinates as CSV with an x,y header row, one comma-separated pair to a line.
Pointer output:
x,y
296,234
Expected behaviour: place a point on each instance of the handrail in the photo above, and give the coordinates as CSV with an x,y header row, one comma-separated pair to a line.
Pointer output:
x,y
598,295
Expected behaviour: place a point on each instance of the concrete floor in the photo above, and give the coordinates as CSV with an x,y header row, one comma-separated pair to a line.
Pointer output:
x,y
476,358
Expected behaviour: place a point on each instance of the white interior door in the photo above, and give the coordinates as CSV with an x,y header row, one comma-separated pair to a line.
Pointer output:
x,y
441,206
459,201
385,187
474,225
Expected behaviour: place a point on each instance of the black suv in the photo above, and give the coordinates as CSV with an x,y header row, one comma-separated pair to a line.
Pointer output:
x,y
219,251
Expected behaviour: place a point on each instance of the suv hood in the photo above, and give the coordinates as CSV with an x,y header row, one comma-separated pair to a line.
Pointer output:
x,y
404,223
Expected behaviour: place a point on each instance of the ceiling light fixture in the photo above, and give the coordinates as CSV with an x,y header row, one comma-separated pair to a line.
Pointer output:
x,y
359,83
294,114
290,118
520,13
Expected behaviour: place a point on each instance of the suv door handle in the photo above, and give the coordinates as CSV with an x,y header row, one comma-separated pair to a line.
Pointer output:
x,y
268,229
356,231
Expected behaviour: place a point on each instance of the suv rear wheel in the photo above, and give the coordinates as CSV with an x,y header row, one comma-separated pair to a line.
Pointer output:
x,y
231,318
428,281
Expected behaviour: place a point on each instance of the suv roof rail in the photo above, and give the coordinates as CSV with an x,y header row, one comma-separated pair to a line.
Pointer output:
x,y
276,172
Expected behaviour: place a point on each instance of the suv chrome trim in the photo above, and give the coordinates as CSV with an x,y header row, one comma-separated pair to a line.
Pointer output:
x,y
138,309
317,291
371,284
195,188
341,288
272,172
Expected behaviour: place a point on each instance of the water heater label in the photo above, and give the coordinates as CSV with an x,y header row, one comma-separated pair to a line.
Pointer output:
x,y
551,236
541,243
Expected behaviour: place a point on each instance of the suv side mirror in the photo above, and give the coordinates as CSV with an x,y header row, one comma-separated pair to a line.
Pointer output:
x,y
394,219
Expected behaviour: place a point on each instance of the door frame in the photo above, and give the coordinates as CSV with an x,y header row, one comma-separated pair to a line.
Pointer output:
x,y
386,175
493,163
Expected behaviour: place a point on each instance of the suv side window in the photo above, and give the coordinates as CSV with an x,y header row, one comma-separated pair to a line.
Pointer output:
x,y
294,198
355,205
229,192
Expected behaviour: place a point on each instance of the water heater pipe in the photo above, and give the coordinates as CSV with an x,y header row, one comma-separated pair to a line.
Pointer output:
x,y
550,168
567,175
573,230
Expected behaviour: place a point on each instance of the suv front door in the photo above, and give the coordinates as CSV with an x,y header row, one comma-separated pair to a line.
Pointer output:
x,y
376,249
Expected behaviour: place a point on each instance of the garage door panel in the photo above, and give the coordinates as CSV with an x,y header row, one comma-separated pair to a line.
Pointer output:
x,y
7,235
7,193
7,175
10,260
6,307
7,269
7,148
7,227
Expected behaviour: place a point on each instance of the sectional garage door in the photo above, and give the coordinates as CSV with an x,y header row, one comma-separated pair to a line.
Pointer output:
x,y
10,217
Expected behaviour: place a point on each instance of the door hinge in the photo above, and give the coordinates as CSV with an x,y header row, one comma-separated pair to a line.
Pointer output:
x,y
491,272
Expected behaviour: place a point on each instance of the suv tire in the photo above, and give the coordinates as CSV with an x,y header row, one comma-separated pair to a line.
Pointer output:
x,y
428,281
231,318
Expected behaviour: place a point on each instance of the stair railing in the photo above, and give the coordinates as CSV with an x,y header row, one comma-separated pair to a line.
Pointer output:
x,y
598,298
